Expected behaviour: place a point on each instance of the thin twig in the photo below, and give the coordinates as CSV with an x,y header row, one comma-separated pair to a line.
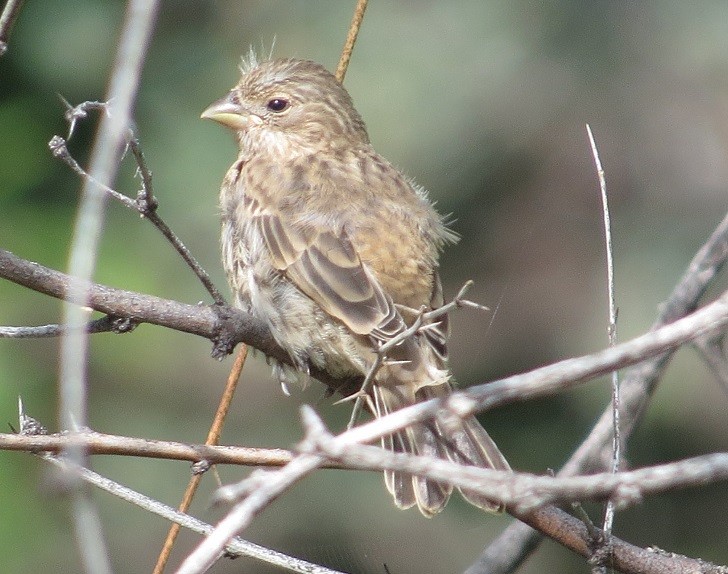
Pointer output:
x,y
145,204
7,19
423,321
80,112
213,437
146,201
236,546
612,330
59,149
103,325
379,361
95,443
354,27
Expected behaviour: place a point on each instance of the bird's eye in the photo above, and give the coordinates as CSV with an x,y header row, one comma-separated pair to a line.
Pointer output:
x,y
277,104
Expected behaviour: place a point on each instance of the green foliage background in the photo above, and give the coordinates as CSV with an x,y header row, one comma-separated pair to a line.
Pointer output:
x,y
484,103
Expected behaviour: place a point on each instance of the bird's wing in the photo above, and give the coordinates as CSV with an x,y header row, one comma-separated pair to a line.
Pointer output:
x,y
324,265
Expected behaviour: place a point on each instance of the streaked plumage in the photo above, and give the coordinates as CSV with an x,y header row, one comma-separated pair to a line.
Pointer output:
x,y
336,250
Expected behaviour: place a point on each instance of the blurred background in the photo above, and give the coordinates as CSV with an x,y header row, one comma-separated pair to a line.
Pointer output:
x,y
484,103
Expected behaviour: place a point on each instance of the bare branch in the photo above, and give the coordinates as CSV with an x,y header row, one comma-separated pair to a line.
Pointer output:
x,y
236,546
225,326
502,555
103,325
573,534
145,204
612,330
519,492
100,443
265,487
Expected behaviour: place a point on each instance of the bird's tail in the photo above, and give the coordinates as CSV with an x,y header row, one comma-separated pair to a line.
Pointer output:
x,y
448,437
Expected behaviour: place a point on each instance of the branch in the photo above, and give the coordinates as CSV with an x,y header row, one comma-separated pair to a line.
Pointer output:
x,y
224,326
107,324
234,326
145,203
507,551
520,492
574,534
135,36
95,443
612,331
236,546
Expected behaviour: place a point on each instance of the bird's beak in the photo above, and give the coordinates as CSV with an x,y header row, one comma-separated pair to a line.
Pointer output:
x,y
227,112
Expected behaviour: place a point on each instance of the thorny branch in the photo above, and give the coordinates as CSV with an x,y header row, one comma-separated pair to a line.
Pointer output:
x,y
423,321
146,203
521,492
99,443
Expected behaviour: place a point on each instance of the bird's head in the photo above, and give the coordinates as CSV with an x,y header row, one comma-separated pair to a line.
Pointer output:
x,y
289,106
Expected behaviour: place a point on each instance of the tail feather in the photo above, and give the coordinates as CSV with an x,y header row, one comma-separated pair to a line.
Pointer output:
x,y
448,437
408,490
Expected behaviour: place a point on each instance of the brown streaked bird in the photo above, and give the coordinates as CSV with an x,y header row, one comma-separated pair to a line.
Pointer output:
x,y
337,251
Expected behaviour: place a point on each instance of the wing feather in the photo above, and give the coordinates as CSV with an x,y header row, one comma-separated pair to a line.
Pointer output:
x,y
325,265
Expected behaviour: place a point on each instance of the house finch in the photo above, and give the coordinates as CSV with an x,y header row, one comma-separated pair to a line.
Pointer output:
x,y
337,251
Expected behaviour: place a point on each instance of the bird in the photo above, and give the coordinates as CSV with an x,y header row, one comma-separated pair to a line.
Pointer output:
x,y
337,252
